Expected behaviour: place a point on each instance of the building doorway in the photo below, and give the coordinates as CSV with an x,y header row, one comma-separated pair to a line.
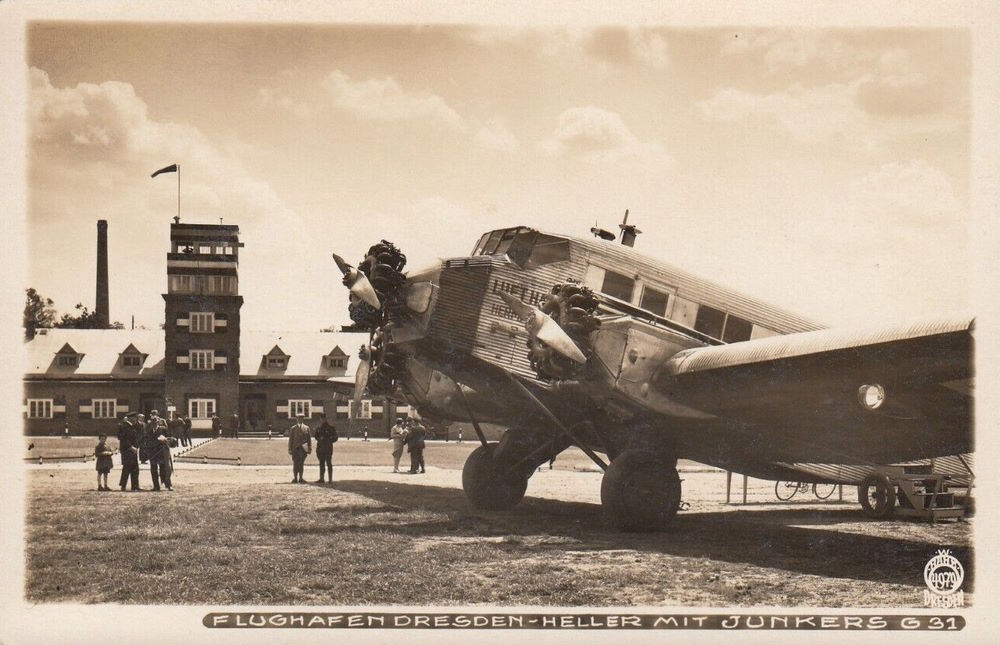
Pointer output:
x,y
254,406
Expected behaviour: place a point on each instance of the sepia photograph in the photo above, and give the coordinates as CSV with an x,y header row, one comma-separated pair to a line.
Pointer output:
x,y
444,327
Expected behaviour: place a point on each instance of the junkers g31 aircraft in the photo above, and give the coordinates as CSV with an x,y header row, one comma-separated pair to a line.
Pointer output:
x,y
586,342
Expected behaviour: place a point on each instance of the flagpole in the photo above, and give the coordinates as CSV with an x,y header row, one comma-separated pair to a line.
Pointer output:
x,y
178,192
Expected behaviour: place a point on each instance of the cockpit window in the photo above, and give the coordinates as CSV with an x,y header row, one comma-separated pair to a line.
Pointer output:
x,y
492,242
525,247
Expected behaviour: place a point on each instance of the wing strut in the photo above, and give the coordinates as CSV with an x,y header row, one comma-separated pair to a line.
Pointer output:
x,y
472,417
576,440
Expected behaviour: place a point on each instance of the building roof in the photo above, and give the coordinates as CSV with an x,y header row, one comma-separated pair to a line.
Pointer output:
x,y
101,350
100,353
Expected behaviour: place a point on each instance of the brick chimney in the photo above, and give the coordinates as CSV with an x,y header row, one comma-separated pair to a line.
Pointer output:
x,y
102,272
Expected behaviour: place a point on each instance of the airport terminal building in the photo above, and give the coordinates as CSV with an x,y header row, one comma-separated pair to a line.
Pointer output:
x,y
200,364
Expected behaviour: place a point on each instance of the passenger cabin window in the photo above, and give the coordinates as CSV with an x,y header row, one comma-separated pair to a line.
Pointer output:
x,y
737,329
654,301
710,321
618,286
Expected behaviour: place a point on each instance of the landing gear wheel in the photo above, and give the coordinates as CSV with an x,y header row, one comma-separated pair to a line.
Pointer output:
x,y
484,487
823,491
640,492
877,496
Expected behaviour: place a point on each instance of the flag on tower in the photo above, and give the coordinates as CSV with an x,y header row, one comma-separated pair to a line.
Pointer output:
x,y
170,168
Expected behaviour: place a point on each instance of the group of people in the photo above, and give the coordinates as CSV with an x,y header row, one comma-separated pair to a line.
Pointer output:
x,y
300,445
233,429
142,440
409,433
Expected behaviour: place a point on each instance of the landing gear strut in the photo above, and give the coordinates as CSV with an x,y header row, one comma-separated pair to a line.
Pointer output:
x,y
640,492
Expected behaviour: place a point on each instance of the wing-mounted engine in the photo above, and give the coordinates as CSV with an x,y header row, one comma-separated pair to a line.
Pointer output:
x,y
573,307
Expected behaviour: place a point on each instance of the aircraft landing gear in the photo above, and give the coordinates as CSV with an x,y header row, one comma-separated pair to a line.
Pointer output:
x,y
877,496
640,491
486,486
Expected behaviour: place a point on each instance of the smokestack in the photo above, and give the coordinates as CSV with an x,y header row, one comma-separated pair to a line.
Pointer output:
x,y
102,272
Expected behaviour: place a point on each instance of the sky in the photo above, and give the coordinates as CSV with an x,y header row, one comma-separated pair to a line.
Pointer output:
x,y
823,170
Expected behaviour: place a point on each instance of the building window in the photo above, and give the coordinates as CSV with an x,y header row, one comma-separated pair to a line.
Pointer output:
x,y
201,322
618,286
39,408
276,362
67,361
182,283
710,321
131,361
654,301
201,408
299,406
201,359
364,412
224,284
336,362
104,409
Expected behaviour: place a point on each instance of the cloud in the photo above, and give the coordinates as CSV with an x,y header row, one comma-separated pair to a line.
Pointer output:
x,y
825,113
599,136
268,98
782,49
628,46
495,136
386,100
92,149
911,194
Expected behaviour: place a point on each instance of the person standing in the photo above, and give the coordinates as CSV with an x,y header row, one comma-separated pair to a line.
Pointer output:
x,y
155,439
128,446
398,437
299,445
326,436
416,443
104,463
234,422
187,430
216,426
176,428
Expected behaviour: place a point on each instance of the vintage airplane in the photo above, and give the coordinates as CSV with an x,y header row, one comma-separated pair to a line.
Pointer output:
x,y
645,363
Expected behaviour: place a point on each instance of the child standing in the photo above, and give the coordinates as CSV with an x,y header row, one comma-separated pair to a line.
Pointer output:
x,y
104,463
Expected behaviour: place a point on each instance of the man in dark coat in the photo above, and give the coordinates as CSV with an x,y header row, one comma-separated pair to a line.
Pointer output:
x,y
187,430
299,445
415,441
234,422
155,439
216,426
176,428
326,436
128,445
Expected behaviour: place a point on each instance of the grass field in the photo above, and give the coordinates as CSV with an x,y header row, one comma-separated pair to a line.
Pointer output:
x,y
246,536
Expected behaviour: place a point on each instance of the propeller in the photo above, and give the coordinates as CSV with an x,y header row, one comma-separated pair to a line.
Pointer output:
x,y
541,326
357,282
361,376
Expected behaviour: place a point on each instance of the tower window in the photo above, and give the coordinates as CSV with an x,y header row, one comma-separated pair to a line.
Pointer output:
x,y
201,359
202,322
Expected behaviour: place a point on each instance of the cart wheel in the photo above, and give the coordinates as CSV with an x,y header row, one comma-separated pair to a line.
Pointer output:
x,y
823,491
785,490
877,496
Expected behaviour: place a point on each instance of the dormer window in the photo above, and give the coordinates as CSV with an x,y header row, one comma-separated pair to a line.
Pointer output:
x,y
131,361
67,361
68,357
336,362
277,362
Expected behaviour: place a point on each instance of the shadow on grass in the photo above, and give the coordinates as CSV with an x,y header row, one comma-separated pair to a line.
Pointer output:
x,y
781,539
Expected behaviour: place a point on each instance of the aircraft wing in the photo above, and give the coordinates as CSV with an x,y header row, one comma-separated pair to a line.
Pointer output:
x,y
806,393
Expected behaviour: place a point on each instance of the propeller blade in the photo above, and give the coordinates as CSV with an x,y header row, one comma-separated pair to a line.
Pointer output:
x,y
364,290
361,380
522,310
344,267
549,332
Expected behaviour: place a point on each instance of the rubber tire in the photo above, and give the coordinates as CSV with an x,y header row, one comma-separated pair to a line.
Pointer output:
x,y
484,488
816,490
879,511
640,493
778,487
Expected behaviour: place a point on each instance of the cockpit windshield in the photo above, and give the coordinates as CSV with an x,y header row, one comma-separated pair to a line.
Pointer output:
x,y
525,247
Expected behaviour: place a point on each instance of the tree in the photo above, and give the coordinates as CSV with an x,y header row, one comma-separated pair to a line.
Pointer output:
x,y
85,319
38,313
